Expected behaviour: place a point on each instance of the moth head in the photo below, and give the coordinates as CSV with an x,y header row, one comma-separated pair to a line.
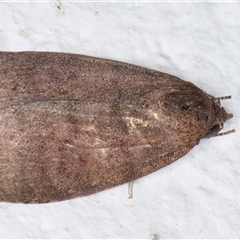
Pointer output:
x,y
219,116
193,112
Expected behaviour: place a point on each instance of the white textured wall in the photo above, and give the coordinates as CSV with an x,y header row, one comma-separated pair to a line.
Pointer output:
x,y
197,196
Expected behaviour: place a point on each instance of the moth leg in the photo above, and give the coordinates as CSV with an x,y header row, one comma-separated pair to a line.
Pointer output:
x,y
130,189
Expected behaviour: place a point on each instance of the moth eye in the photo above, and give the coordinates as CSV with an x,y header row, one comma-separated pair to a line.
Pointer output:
x,y
214,130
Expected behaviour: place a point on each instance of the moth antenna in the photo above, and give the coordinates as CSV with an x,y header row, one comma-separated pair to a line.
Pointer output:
x,y
224,97
225,133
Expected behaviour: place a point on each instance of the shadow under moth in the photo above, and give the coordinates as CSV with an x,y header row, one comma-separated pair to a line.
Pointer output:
x,y
73,125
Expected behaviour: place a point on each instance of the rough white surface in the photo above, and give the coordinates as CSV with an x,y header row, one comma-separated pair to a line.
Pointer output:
x,y
196,197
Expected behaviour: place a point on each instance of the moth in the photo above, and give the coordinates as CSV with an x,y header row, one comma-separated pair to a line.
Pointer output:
x,y
73,125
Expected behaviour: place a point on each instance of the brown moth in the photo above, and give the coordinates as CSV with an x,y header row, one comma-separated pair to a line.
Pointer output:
x,y
73,125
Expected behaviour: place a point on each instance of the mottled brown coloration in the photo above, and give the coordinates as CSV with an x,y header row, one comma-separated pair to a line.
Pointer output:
x,y
72,125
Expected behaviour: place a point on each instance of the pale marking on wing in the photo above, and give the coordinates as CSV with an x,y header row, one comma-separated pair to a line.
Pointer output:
x,y
132,122
105,151
153,114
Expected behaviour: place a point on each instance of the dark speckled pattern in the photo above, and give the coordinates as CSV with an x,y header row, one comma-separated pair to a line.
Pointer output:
x,y
73,125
